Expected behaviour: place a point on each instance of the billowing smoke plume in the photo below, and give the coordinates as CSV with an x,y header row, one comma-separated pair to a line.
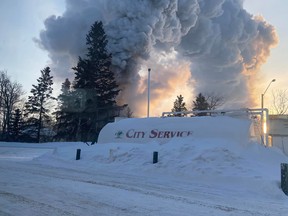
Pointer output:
x,y
222,43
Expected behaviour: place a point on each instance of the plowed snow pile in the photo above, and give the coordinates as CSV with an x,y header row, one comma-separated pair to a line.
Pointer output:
x,y
194,176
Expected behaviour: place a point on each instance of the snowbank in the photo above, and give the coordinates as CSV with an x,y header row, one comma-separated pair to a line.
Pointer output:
x,y
217,166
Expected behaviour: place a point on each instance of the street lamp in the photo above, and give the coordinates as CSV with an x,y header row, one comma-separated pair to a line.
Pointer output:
x,y
148,93
264,135
262,95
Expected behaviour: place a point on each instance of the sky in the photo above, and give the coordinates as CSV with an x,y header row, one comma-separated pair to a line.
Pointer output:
x,y
22,58
21,22
274,12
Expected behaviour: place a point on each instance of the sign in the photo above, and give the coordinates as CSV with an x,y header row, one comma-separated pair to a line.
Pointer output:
x,y
152,134
162,130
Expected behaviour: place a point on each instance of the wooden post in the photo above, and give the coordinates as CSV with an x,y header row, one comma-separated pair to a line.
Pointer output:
x,y
284,178
155,157
78,153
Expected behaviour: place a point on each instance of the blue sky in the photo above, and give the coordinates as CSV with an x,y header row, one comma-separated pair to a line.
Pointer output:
x,y
275,13
22,20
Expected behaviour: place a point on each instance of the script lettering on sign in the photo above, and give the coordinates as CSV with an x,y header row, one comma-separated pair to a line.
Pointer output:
x,y
169,134
135,134
154,134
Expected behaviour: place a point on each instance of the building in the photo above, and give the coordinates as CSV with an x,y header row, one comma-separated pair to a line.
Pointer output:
x,y
278,132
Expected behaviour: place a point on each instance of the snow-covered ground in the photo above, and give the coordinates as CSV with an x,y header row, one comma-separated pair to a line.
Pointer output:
x,y
194,176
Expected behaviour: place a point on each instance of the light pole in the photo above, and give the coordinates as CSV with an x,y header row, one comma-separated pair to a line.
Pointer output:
x,y
148,93
263,124
262,95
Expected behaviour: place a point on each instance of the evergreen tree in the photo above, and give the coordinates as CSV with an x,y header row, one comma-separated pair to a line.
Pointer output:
x,y
36,109
62,112
16,122
179,106
95,83
200,104
70,105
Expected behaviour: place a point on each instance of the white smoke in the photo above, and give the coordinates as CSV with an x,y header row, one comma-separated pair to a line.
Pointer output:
x,y
223,46
217,37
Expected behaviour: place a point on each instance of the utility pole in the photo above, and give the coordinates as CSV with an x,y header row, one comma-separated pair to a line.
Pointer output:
x,y
148,92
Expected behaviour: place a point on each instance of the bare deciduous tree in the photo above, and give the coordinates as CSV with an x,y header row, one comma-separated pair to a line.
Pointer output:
x,y
10,95
280,101
214,101
128,112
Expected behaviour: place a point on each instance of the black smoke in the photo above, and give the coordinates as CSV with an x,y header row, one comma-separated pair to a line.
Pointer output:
x,y
222,42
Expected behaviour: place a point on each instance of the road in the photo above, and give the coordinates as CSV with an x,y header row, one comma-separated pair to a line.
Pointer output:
x,y
39,188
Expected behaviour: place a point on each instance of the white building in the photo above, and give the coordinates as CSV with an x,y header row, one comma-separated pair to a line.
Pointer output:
x,y
278,132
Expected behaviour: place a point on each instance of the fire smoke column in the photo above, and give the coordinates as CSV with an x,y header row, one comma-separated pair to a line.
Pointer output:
x,y
226,48
142,27
134,29
223,43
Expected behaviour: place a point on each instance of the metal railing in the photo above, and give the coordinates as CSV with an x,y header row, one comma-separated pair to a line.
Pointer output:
x,y
263,113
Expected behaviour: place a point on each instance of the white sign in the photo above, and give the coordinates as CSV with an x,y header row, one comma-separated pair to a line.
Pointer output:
x,y
144,130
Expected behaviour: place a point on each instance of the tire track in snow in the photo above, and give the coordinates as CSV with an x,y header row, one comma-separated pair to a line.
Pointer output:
x,y
145,189
80,204
35,207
